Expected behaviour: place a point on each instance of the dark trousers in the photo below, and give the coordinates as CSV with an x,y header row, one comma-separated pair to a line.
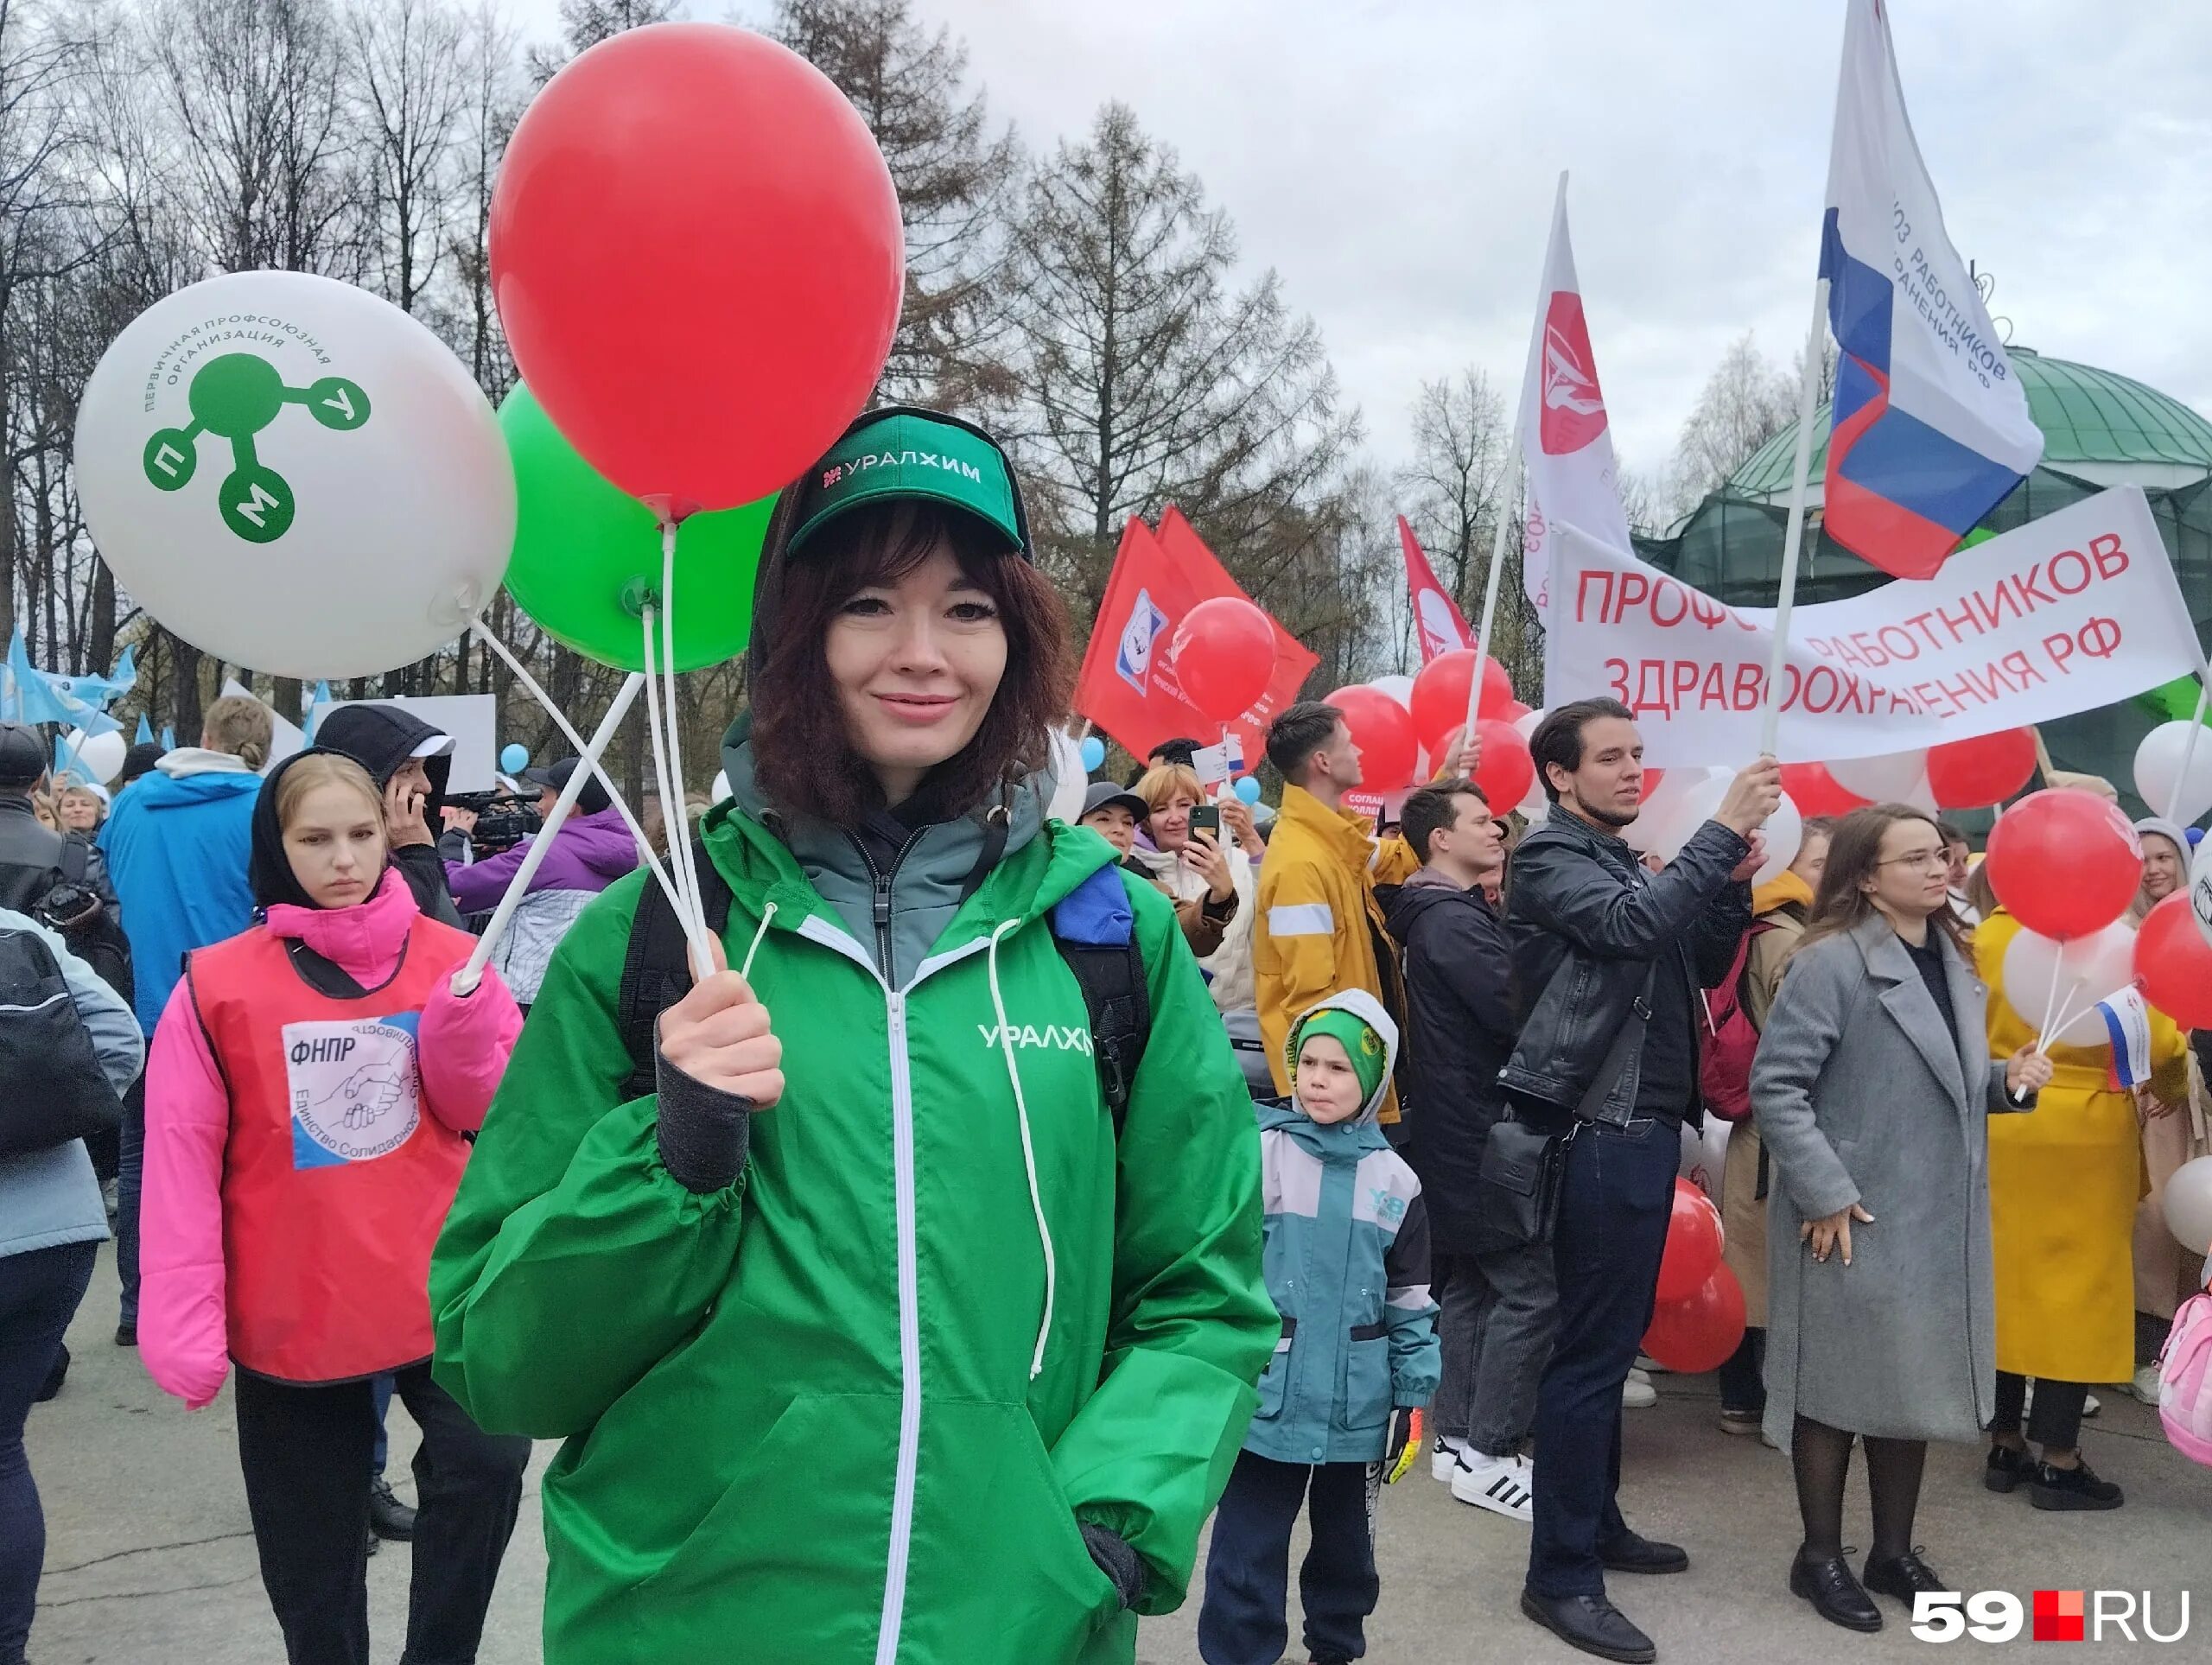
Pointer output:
x,y
2055,1421
305,1453
129,1185
380,1396
1743,1377
1613,1226
1495,1318
1247,1561
39,1293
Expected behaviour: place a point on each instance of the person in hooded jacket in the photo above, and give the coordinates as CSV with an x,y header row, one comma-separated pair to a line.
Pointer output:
x,y
941,1359
410,763
312,1085
1347,1264
177,848
593,848
1496,1311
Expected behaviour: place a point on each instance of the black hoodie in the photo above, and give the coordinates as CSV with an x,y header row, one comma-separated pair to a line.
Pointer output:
x,y
381,738
269,870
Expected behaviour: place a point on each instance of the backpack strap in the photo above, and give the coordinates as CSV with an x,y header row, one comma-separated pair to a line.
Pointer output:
x,y
1094,926
76,859
656,970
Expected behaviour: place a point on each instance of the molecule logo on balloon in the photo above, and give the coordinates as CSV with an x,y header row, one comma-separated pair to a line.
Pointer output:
x,y
235,396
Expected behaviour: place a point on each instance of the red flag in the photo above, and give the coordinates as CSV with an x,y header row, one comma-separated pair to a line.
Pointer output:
x,y
1435,614
1127,687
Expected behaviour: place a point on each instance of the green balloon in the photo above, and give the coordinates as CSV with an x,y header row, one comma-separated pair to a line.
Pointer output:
x,y
588,554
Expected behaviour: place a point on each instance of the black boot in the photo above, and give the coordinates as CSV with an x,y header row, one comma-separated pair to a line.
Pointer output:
x,y
1836,1596
1904,1578
2075,1488
389,1518
2007,1468
1592,1624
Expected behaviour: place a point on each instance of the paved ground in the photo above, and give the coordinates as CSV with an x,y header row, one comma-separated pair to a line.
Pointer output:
x,y
149,1560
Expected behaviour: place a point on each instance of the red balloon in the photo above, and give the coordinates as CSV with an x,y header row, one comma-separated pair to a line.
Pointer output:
x,y
1651,779
1699,1334
696,253
1695,1240
1384,731
1506,771
1513,711
1965,774
1440,698
1225,655
2064,862
2173,962
1814,790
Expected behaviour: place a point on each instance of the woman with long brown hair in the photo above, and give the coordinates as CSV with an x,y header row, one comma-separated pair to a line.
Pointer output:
x,y
1871,1087
946,1357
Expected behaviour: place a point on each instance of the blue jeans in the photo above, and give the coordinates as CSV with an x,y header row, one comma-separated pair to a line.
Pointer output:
x,y
39,1293
1244,1619
1614,1202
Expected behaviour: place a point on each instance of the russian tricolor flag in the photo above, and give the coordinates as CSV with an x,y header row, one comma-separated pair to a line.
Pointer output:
x,y
1931,426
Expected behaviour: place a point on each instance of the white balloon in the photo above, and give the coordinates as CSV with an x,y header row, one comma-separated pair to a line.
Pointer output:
x,y
2041,973
1399,688
1785,837
2158,771
2189,1204
97,759
2200,887
1889,779
722,787
1653,829
294,475
1692,810
1071,780
1527,721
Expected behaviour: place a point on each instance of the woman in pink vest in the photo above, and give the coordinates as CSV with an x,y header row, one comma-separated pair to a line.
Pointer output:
x,y
311,1092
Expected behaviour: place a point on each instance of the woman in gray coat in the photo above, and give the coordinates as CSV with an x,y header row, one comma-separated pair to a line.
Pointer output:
x,y
1870,1085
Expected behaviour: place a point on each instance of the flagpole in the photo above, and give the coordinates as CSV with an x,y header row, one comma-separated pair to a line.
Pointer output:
x,y
1809,393
1529,371
2188,747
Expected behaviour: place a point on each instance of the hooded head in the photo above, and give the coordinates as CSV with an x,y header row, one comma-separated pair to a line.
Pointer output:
x,y
945,689
384,740
1354,1019
270,871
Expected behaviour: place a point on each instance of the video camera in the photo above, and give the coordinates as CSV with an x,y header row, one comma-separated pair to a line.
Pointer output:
x,y
502,819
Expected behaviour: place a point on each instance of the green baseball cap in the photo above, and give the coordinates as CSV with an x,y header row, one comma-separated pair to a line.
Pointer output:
x,y
908,453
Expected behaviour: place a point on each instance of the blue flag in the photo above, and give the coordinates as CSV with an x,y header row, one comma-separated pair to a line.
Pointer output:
x,y
168,738
145,731
43,697
316,700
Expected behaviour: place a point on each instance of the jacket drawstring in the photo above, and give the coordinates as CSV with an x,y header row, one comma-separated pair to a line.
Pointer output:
x,y
745,970
1028,1151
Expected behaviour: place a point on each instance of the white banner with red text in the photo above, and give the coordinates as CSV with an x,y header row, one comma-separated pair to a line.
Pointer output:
x,y
2077,610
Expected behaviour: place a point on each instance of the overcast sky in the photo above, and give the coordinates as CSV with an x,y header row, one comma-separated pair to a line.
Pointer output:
x,y
1394,161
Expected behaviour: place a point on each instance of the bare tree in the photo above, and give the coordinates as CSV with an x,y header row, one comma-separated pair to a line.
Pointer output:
x,y
956,180
408,84
1746,401
1144,378
585,24
494,100
1460,479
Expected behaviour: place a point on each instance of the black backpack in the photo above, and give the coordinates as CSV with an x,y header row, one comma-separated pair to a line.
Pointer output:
x,y
55,1090
1094,930
72,907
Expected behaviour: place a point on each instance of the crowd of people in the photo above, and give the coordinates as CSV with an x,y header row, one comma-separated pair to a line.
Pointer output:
x,y
934,1224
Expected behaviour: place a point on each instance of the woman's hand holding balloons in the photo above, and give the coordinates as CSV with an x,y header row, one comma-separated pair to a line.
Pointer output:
x,y
719,1035
2027,1072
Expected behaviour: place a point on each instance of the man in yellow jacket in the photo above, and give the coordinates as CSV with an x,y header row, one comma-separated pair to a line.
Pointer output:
x,y
1318,930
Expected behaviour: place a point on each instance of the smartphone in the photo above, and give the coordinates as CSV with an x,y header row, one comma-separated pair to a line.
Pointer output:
x,y
1207,817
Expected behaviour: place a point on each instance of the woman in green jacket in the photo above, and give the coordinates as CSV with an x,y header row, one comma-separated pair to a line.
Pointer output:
x,y
938,1359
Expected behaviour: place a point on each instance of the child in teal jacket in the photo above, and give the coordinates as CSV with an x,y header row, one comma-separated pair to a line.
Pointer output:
x,y
1347,1264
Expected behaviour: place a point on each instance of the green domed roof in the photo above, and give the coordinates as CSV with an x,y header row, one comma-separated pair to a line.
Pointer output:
x,y
2086,415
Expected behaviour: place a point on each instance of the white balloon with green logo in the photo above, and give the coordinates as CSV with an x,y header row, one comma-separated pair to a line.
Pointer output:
x,y
295,476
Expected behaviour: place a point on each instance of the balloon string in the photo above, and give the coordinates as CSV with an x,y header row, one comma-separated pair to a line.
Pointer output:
x,y
687,909
2188,748
484,633
2066,1012
466,979
679,840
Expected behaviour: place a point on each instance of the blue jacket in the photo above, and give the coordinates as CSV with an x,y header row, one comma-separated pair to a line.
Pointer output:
x,y
176,846
1347,1263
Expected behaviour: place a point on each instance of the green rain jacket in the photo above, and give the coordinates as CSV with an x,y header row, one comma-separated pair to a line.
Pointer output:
x,y
800,1413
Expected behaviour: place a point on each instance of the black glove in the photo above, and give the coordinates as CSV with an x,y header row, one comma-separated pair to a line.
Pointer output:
x,y
1405,1430
1116,1559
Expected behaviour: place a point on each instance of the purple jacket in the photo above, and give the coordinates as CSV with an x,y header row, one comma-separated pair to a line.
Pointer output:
x,y
589,852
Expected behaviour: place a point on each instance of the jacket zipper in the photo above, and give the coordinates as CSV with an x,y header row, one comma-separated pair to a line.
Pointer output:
x,y
881,913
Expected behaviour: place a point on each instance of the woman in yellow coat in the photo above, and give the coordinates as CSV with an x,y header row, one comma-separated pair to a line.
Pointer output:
x,y
2063,1184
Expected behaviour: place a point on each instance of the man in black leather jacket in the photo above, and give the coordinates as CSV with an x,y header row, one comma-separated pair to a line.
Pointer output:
x,y
1610,959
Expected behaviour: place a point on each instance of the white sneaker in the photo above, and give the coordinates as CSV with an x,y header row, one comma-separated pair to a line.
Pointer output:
x,y
1637,1373
1638,1396
2144,1387
2091,1405
1500,1484
1450,1458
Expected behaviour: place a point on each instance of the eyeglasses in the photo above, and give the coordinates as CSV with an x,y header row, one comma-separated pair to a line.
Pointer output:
x,y
1927,861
